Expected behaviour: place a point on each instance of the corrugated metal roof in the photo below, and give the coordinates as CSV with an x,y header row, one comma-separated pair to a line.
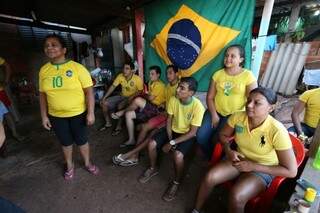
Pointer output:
x,y
35,36
285,66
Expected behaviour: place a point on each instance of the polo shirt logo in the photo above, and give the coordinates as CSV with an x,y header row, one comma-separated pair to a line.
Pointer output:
x,y
132,83
69,73
189,116
262,141
239,129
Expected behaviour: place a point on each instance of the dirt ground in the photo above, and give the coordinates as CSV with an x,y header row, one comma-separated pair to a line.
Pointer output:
x,y
31,175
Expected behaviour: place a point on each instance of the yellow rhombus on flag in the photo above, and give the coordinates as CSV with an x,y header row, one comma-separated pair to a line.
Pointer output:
x,y
213,38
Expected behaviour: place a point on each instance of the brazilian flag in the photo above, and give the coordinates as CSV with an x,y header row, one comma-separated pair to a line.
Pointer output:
x,y
193,34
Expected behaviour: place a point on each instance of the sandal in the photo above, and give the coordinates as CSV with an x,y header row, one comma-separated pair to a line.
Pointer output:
x,y
117,159
128,162
105,127
123,145
114,116
171,191
69,174
93,169
116,132
148,174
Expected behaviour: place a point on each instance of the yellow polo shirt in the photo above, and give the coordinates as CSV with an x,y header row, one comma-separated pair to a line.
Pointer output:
x,y
312,100
2,61
185,115
158,90
231,91
130,87
63,84
261,143
170,91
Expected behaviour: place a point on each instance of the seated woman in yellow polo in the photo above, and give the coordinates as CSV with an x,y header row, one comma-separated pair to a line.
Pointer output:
x,y
264,150
309,102
227,94
66,102
144,108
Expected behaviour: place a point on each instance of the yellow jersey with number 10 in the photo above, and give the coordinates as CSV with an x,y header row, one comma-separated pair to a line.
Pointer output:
x,y
63,85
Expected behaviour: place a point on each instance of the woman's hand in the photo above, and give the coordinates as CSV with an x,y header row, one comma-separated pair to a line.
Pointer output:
x,y
234,156
215,120
166,148
90,119
46,123
244,166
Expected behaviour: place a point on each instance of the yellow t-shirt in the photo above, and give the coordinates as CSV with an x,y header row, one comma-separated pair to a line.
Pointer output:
x,y
261,143
312,100
2,61
158,90
63,84
231,91
130,87
170,91
185,115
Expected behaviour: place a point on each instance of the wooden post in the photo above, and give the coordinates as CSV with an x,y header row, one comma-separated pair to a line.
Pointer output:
x,y
296,6
261,41
315,142
137,37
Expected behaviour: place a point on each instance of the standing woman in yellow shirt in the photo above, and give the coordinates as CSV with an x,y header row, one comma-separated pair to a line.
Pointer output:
x,y
227,94
66,102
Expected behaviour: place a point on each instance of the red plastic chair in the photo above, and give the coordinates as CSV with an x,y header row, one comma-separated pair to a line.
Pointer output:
x,y
262,202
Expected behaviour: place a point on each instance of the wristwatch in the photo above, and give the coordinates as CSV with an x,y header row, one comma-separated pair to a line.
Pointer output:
x,y
172,142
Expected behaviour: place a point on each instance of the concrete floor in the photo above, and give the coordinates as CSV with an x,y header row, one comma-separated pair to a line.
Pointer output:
x,y
31,176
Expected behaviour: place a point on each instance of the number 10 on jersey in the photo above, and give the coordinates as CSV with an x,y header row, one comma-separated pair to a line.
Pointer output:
x,y
57,82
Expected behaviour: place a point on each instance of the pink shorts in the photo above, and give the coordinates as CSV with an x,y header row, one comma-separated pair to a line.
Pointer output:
x,y
158,121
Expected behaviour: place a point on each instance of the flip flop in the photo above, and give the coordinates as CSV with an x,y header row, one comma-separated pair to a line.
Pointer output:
x,y
117,159
20,138
93,169
69,174
105,127
115,116
128,162
116,132
123,145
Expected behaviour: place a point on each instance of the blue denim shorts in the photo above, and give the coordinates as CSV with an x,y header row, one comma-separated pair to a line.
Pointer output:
x,y
307,130
266,178
3,111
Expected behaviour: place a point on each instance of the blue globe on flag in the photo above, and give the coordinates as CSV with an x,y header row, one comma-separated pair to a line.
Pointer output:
x,y
183,43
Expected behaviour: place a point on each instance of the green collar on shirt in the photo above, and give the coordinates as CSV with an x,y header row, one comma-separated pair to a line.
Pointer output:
x,y
189,101
59,64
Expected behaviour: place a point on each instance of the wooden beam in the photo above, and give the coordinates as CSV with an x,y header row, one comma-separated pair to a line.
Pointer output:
x,y
41,25
137,39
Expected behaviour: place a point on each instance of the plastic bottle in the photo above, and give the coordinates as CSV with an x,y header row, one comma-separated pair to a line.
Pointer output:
x,y
316,161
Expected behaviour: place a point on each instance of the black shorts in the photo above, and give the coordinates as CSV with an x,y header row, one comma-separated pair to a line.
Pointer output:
x,y
71,129
161,139
150,110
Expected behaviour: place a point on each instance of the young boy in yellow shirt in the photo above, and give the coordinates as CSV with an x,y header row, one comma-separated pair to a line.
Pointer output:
x,y
185,114
131,85
146,107
154,124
